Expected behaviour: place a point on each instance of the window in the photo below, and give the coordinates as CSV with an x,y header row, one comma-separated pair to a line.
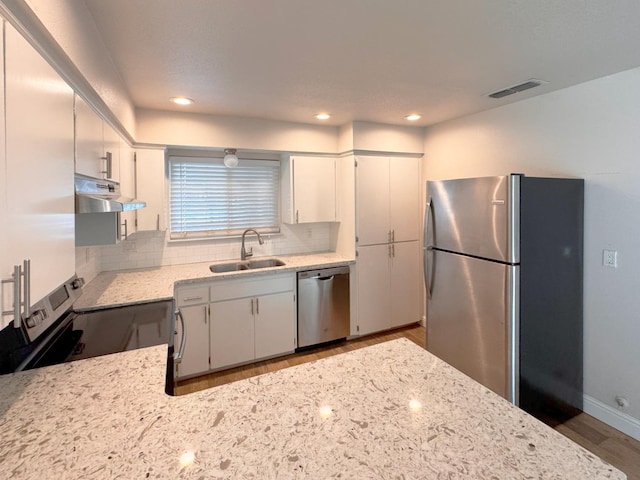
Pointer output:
x,y
207,199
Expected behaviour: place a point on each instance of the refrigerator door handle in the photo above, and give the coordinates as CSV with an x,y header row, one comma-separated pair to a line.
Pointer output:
x,y
428,277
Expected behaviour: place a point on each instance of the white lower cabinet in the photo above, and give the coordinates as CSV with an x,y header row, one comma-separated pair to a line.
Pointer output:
x,y
235,321
275,324
388,286
232,332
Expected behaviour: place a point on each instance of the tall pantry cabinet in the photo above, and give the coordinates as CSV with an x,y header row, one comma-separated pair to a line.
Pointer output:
x,y
387,242
37,208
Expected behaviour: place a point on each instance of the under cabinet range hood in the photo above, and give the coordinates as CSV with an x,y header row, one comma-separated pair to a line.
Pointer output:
x,y
96,195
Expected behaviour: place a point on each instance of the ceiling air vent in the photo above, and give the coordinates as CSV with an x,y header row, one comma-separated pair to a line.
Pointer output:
x,y
517,88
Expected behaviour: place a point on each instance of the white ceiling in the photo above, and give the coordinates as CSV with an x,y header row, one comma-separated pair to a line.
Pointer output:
x,y
360,60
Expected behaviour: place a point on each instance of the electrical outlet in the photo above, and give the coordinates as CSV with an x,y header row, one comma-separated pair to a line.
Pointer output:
x,y
610,258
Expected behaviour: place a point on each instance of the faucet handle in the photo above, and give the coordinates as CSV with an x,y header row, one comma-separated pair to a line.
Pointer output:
x,y
249,253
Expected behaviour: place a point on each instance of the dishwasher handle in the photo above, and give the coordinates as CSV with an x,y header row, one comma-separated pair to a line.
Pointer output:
x,y
324,278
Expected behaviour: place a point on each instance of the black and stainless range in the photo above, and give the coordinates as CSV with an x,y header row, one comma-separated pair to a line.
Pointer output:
x,y
54,333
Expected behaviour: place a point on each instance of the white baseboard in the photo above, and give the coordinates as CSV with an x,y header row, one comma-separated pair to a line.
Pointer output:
x,y
612,416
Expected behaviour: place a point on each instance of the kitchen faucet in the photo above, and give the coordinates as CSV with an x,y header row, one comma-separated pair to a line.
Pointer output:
x,y
243,252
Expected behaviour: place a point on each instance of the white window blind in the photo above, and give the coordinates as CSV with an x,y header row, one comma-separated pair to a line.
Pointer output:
x,y
208,199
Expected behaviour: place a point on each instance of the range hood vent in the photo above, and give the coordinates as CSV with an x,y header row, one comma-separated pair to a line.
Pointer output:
x,y
96,195
517,88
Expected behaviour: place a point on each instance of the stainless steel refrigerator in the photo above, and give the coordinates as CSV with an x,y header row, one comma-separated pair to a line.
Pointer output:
x,y
503,274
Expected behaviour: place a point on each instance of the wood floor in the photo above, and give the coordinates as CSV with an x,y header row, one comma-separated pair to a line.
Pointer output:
x,y
608,443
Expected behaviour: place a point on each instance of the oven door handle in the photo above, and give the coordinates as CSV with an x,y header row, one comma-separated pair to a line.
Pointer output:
x,y
177,357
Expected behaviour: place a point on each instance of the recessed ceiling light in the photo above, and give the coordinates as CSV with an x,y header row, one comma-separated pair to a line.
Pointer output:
x,y
413,117
181,100
323,116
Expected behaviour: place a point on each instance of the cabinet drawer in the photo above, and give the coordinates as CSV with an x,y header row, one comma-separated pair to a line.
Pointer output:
x,y
261,285
192,295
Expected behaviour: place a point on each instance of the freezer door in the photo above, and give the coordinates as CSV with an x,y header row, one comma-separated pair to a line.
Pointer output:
x,y
476,216
472,319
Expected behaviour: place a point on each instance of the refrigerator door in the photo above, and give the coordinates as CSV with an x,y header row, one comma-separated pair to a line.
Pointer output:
x,y
472,319
476,216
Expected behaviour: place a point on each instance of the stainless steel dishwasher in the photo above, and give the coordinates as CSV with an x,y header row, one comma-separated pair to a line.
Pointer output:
x,y
323,305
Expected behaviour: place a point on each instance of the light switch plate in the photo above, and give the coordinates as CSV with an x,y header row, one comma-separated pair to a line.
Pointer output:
x,y
610,258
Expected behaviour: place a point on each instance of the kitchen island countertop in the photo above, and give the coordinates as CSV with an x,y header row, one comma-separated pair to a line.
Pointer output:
x,y
391,410
125,287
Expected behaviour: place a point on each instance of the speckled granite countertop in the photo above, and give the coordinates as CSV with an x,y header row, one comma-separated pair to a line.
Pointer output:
x,y
390,411
149,284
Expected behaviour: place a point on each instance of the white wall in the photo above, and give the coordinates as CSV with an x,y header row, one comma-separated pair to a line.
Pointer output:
x,y
200,130
151,249
378,137
590,131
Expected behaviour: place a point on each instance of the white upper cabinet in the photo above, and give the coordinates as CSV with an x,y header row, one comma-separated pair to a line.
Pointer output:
x,y
89,141
151,188
387,199
111,152
97,144
404,199
308,189
38,213
372,200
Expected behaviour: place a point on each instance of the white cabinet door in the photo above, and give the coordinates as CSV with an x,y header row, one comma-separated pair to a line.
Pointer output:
x,y
89,140
404,198
150,188
195,358
112,146
39,221
314,189
372,200
232,332
6,258
373,288
405,283
275,325
308,189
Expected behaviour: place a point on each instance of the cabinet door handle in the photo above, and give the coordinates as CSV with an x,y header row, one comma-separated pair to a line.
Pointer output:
x,y
389,250
205,314
177,357
192,299
158,223
252,306
393,235
126,232
393,250
16,278
108,158
26,277
257,306
297,211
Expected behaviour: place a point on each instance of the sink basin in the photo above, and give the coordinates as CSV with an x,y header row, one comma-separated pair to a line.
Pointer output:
x,y
229,267
266,263
250,265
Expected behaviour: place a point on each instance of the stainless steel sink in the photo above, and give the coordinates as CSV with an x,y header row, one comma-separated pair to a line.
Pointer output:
x,y
266,263
251,265
229,267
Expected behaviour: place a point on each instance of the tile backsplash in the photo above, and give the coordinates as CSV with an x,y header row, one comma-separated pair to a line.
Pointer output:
x,y
151,249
